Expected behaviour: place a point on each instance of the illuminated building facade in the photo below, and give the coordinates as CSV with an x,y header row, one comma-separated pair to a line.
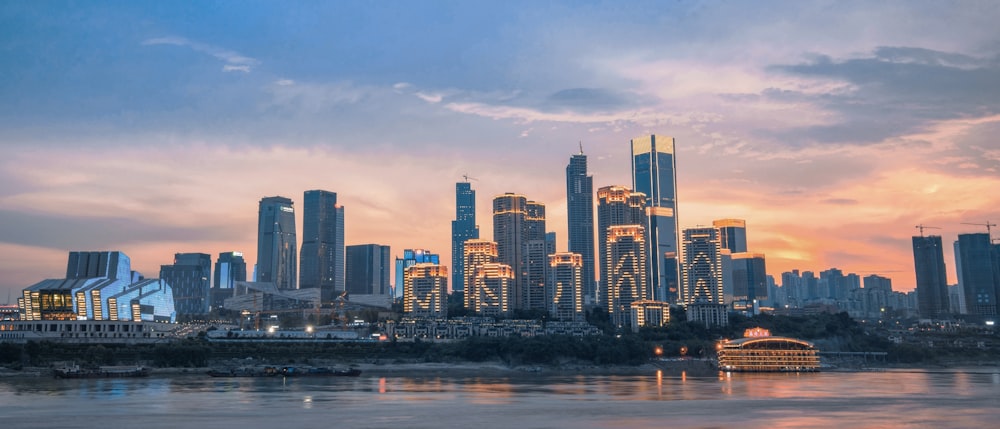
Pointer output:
x,y
277,261
976,263
566,284
190,279
493,287
230,268
654,173
932,280
703,266
626,271
732,234
580,220
476,253
98,286
758,351
616,206
519,231
425,291
649,313
410,258
463,228
323,258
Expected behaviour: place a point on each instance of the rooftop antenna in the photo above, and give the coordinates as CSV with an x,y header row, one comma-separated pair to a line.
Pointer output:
x,y
921,227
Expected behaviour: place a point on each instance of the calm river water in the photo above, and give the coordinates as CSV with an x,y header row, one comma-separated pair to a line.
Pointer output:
x,y
930,399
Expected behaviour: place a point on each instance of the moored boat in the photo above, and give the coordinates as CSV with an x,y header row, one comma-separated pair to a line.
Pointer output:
x,y
101,372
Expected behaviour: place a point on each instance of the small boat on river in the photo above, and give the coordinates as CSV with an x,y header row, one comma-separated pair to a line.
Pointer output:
x,y
101,372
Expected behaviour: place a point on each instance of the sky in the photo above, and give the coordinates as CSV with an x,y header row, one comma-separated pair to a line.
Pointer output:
x,y
832,127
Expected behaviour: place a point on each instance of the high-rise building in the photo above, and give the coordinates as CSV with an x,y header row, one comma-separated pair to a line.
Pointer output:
x,y
323,260
462,228
626,271
229,269
276,258
190,278
476,254
702,266
654,173
410,258
492,289
519,231
749,277
649,313
616,206
425,291
732,234
367,270
580,220
566,284
976,264
932,280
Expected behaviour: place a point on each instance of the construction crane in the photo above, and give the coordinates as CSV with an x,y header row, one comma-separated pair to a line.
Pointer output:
x,y
467,178
921,227
988,225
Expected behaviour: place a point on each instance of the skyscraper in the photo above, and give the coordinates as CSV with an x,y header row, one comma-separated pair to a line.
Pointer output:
x,y
519,226
580,219
975,262
367,270
702,266
492,289
323,257
410,258
749,276
932,280
229,269
476,254
462,228
616,206
425,291
276,258
566,284
732,234
190,278
626,271
654,173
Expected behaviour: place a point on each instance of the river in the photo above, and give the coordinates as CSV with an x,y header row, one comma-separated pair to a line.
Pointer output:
x,y
922,399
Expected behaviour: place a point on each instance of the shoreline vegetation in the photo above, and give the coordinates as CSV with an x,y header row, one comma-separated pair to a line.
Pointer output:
x,y
681,348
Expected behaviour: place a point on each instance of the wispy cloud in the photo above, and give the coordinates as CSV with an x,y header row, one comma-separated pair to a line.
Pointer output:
x,y
234,61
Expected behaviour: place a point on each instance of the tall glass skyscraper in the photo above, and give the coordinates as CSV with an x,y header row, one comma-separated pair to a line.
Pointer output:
x,y
580,220
276,258
732,234
367,269
932,280
229,269
190,278
654,173
323,260
519,231
462,228
975,261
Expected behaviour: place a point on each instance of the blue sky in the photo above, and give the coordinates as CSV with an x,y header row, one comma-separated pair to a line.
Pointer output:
x,y
155,127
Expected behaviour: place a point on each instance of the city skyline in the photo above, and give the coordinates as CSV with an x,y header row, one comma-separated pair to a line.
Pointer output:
x,y
832,144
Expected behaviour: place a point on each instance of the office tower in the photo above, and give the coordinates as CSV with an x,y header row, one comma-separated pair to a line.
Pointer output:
x,y
566,286
975,262
425,291
732,234
932,279
626,271
410,258
323,257
791,284
702,266
367,270
229,269
492,289
462,228
519,231
616,206
190,278
654,173
276,258
580,219
476,253
749,276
